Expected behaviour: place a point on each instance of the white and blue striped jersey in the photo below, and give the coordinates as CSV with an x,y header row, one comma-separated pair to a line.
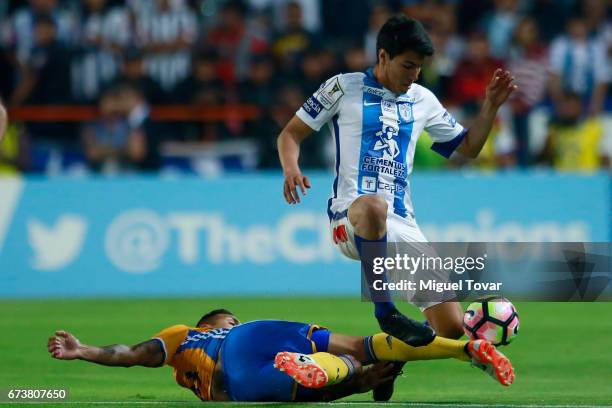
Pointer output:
x,y
375,134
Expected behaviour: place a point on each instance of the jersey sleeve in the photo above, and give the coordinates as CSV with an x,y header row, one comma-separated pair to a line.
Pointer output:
x,y
323,104
171,338
446,133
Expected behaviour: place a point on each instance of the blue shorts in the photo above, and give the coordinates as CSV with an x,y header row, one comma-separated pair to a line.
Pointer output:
x,y
247,358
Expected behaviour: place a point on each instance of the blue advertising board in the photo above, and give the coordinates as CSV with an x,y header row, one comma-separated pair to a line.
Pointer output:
x,y
235,235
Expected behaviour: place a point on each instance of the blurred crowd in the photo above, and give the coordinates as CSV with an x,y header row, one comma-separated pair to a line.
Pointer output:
x,y
128,56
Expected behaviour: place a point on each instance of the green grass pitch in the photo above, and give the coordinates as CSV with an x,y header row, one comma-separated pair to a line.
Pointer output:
x,y
562,356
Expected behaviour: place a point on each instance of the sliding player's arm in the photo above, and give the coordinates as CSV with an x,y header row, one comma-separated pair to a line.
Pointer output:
x,y
65,346
498,91
289,152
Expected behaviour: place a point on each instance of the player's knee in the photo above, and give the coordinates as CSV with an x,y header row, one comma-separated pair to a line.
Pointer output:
x,y
374,209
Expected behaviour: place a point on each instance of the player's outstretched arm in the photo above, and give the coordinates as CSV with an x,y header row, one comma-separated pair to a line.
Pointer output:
x,y
289,152
498,91
65,346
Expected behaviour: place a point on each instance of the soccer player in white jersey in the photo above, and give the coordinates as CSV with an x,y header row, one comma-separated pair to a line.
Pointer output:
x,y
376,118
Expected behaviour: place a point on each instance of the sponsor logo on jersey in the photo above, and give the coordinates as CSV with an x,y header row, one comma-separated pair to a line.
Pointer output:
x,y
390,187
368,183
372,184
450,119
381,165
386,146
313,107
383,154
374,91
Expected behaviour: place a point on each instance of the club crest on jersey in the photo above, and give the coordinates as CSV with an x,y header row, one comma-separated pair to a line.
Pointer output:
x,y
405,112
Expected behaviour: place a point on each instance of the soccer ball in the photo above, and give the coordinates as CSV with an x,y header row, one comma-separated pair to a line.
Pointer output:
x,y
493,319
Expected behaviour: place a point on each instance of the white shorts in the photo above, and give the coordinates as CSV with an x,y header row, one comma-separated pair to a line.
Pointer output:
x,y
399,230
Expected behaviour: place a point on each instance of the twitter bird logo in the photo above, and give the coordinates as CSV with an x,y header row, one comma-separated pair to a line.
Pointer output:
x,y
56,246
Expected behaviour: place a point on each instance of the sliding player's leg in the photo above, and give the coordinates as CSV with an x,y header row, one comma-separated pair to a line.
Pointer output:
x,y
445,318
383,347
249,351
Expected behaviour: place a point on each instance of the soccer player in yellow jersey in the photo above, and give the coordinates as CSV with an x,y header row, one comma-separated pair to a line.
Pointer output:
x,y
269,360
574,139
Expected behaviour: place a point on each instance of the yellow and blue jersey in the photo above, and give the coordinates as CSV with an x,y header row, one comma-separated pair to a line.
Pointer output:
x,y
246,353
577,147
193,354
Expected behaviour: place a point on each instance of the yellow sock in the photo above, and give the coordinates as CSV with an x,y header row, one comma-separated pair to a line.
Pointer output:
x,y
388,348
338,368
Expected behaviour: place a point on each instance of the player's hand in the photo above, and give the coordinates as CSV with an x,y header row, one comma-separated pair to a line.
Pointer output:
x,y
64,346
377,374
293,180
500,88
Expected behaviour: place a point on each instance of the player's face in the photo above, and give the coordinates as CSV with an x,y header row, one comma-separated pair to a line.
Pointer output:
x,y
223,321
402,70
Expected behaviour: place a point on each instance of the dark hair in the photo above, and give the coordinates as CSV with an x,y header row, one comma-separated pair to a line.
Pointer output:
x,y
400,34
212,313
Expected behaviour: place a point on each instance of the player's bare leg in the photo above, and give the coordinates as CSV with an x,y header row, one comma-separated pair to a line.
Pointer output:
x,y
368,216
345,344
446,319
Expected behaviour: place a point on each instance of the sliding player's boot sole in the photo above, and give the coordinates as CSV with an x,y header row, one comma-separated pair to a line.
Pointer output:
x,y
490,360
302,368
